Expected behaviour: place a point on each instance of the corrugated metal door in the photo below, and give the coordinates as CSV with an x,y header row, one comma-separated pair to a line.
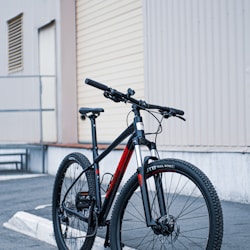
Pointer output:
x,y
197,55
110,50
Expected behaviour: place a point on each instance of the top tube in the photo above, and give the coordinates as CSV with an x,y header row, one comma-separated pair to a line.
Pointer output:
x,y
128,131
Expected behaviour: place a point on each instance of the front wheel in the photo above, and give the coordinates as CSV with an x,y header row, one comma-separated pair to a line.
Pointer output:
x,y
189,215
72,205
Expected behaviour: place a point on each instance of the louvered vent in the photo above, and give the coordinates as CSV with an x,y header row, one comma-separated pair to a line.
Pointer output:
x,y
15,44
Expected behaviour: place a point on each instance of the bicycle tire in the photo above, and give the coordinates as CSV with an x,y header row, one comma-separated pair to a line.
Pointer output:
x,y
194,217
71,232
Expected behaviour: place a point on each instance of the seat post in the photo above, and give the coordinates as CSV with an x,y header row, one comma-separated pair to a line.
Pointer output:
x,y
94,137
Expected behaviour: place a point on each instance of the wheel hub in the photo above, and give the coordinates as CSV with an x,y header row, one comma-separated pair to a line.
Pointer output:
x,y
166,226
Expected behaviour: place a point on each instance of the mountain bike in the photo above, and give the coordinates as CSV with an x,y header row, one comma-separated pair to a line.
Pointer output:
x,y
165,204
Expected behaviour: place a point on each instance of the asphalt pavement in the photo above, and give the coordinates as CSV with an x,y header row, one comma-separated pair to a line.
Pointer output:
x,y
27,197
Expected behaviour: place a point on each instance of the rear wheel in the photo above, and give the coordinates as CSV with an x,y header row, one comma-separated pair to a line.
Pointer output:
x,y
190,219
73,196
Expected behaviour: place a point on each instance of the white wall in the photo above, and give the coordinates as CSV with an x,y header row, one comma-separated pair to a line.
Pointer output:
x,y
35,15
16,93
19,90
56,154
228,172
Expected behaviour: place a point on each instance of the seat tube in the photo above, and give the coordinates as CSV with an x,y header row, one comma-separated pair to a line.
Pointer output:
x,y
96,165
94,137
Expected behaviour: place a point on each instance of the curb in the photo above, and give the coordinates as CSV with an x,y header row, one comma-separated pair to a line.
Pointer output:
x,y
32,225
19,176
39,228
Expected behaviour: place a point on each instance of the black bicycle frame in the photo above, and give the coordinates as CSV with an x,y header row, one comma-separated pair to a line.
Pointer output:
x,y
117,177
137,138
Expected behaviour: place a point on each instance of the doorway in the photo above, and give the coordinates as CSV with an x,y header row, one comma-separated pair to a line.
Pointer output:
x,y
47,72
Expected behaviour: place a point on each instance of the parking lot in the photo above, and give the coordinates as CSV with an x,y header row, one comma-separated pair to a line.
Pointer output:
x,y
26,209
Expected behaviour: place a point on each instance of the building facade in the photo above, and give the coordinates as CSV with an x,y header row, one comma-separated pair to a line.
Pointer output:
x,y
196,57
192,55
37,69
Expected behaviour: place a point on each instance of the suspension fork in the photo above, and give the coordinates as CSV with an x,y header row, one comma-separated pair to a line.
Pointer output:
x,y
142,174
140,139
158,182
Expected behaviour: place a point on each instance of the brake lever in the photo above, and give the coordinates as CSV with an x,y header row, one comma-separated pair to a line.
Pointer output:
x,y
182,118
167,114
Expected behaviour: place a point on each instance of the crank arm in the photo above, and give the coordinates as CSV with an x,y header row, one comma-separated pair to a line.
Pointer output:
x,y
75,213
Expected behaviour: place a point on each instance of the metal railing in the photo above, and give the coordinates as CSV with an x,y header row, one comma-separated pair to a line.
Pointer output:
x,y
7,91
11,104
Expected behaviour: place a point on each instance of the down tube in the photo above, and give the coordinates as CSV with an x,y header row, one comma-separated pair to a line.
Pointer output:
x,y
115,183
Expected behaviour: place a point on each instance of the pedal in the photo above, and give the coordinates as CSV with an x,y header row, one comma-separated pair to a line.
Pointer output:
x,y
83,200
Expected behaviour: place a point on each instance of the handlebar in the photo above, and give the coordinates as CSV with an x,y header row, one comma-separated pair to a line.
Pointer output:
x,y
97,84
117,96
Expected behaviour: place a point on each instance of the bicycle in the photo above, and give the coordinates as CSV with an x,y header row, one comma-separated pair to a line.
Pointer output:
x,y
166,204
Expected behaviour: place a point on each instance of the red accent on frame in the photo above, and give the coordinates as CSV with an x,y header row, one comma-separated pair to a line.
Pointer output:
x,y
140,179
121,168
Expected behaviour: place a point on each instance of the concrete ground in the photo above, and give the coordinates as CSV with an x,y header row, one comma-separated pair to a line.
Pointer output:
x,y
25,215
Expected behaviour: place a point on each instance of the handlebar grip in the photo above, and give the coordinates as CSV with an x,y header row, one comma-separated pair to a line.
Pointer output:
x,y
179,112
97,84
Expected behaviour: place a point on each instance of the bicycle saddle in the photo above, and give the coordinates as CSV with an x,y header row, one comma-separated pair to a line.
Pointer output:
x,y
85,111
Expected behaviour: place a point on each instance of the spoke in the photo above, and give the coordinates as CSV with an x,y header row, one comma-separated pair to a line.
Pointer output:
x,y
139,216
187,201
195,230
140,243
134,228
193,217
189,212
176,194
193,242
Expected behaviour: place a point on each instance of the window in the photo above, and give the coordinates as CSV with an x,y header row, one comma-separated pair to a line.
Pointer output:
x,y
15,44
